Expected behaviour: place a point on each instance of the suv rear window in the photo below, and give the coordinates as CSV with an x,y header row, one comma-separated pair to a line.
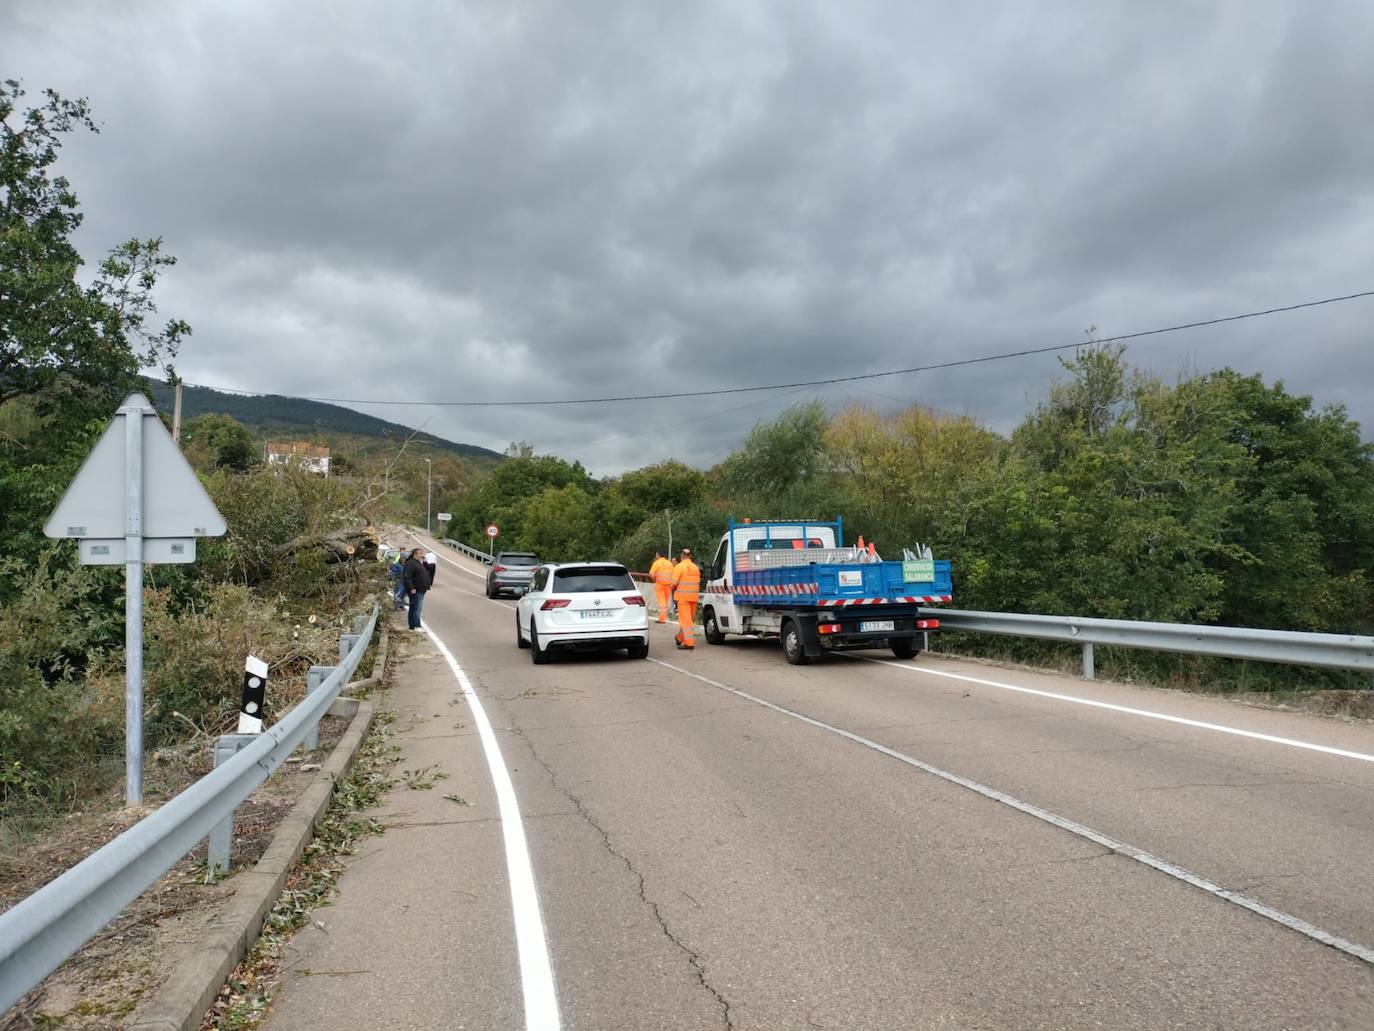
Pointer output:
x,y
591,578
514,559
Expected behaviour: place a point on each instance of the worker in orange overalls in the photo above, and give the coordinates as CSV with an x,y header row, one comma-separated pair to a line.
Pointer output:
x,y
687,591
662,573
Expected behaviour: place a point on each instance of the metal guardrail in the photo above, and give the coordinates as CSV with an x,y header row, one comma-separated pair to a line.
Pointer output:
x,y
480,556
1338,651
41,931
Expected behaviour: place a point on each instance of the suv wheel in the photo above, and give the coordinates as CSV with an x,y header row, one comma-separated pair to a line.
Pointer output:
x,y
539,656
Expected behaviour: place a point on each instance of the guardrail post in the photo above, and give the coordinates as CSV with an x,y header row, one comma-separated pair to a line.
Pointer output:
x,y
313,679
346,642
359,621
1089,671
222,834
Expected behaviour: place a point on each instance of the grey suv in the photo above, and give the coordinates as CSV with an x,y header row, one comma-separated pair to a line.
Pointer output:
x,y
511,571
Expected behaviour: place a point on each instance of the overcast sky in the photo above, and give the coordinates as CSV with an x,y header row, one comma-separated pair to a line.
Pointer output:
x,y
498,200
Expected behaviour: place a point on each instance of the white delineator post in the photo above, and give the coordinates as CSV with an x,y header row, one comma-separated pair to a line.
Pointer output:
x,y
133,602
254,695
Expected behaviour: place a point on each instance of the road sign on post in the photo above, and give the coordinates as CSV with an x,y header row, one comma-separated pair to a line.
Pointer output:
x,y
444,517
492,531
135,499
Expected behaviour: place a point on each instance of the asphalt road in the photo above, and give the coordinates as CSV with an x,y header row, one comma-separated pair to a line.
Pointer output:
x,y
721,840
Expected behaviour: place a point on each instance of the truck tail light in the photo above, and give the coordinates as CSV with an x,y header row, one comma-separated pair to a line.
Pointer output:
x,y
555,603
927,624
829,628
634,599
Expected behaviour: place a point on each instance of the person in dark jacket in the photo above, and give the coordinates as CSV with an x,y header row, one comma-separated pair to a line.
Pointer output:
x,y
417,583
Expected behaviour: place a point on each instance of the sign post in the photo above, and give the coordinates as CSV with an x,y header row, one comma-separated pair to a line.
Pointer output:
x,y
135,500
492,531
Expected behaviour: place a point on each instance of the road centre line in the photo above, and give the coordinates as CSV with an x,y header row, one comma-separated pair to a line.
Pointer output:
x,y
1199,724
1294,923
536,971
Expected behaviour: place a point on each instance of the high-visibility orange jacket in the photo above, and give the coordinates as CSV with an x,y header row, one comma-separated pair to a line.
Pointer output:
x,y
662,572
686,581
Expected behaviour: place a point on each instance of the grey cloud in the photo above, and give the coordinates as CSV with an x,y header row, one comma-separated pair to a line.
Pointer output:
x,y
541,200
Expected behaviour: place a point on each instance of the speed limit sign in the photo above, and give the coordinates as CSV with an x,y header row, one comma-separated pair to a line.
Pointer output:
x,y
493,530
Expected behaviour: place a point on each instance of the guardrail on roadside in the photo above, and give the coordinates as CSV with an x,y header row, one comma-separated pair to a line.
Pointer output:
x,y
1296,648
41,931
480,556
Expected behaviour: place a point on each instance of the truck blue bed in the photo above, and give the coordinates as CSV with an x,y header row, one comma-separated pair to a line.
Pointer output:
x,y
865,583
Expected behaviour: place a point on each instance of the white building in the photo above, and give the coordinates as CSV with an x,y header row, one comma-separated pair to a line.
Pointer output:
x,y
309,457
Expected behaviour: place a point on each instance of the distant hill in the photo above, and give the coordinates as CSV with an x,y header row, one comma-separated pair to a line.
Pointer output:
x,y
271,415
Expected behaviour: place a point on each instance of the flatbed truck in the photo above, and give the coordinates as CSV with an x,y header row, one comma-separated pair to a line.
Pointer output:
x,y
795,580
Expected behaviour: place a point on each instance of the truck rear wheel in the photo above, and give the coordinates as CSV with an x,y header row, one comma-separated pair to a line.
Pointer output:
x,y
792,646
710,629
902,647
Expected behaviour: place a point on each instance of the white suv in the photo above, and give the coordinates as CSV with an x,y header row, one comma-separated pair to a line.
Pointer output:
x,y
582,606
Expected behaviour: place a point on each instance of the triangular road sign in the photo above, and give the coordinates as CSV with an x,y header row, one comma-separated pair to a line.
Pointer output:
x,y
175,503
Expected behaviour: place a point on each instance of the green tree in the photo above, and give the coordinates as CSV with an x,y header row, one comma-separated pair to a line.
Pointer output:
x,y
665,487
502,496
62,342
1303,523
562,524
212,441
782,470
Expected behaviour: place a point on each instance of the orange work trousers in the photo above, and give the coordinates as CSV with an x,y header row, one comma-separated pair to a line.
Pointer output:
x,y
686,617
665,600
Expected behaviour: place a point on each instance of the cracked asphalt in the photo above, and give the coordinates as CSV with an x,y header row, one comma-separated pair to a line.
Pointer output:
x,y
705,862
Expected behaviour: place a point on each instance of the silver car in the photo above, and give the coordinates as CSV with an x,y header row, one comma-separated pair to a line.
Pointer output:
x,y
511,571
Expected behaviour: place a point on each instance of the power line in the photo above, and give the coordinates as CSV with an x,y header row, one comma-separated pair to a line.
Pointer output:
x,y
817,382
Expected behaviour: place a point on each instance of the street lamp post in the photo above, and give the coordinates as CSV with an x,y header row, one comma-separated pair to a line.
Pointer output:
x,y
429,490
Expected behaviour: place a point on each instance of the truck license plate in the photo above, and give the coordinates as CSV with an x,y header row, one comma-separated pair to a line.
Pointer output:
x,y
597,613
870,626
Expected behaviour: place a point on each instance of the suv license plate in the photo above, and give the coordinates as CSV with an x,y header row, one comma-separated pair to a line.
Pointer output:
x,y
597,613
875,625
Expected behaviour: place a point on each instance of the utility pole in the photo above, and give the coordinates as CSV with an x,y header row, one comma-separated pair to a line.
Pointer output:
x,y
176,410
669,513
429,492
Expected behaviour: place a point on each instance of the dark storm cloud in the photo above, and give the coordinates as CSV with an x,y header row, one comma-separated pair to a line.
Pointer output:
x,y
503,200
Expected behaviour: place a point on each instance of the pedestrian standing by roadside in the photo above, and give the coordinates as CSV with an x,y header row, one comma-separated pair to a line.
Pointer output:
x,y
431,566
417,583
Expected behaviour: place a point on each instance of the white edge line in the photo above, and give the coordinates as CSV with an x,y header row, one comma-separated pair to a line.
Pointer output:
x,y
536,971
1219,728
1350,948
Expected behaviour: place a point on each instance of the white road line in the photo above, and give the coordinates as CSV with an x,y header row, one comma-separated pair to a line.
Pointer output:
x,y
536,971
1219,728
1350,948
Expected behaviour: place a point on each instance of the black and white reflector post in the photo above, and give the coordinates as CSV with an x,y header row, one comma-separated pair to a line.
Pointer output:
x,y
254,695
